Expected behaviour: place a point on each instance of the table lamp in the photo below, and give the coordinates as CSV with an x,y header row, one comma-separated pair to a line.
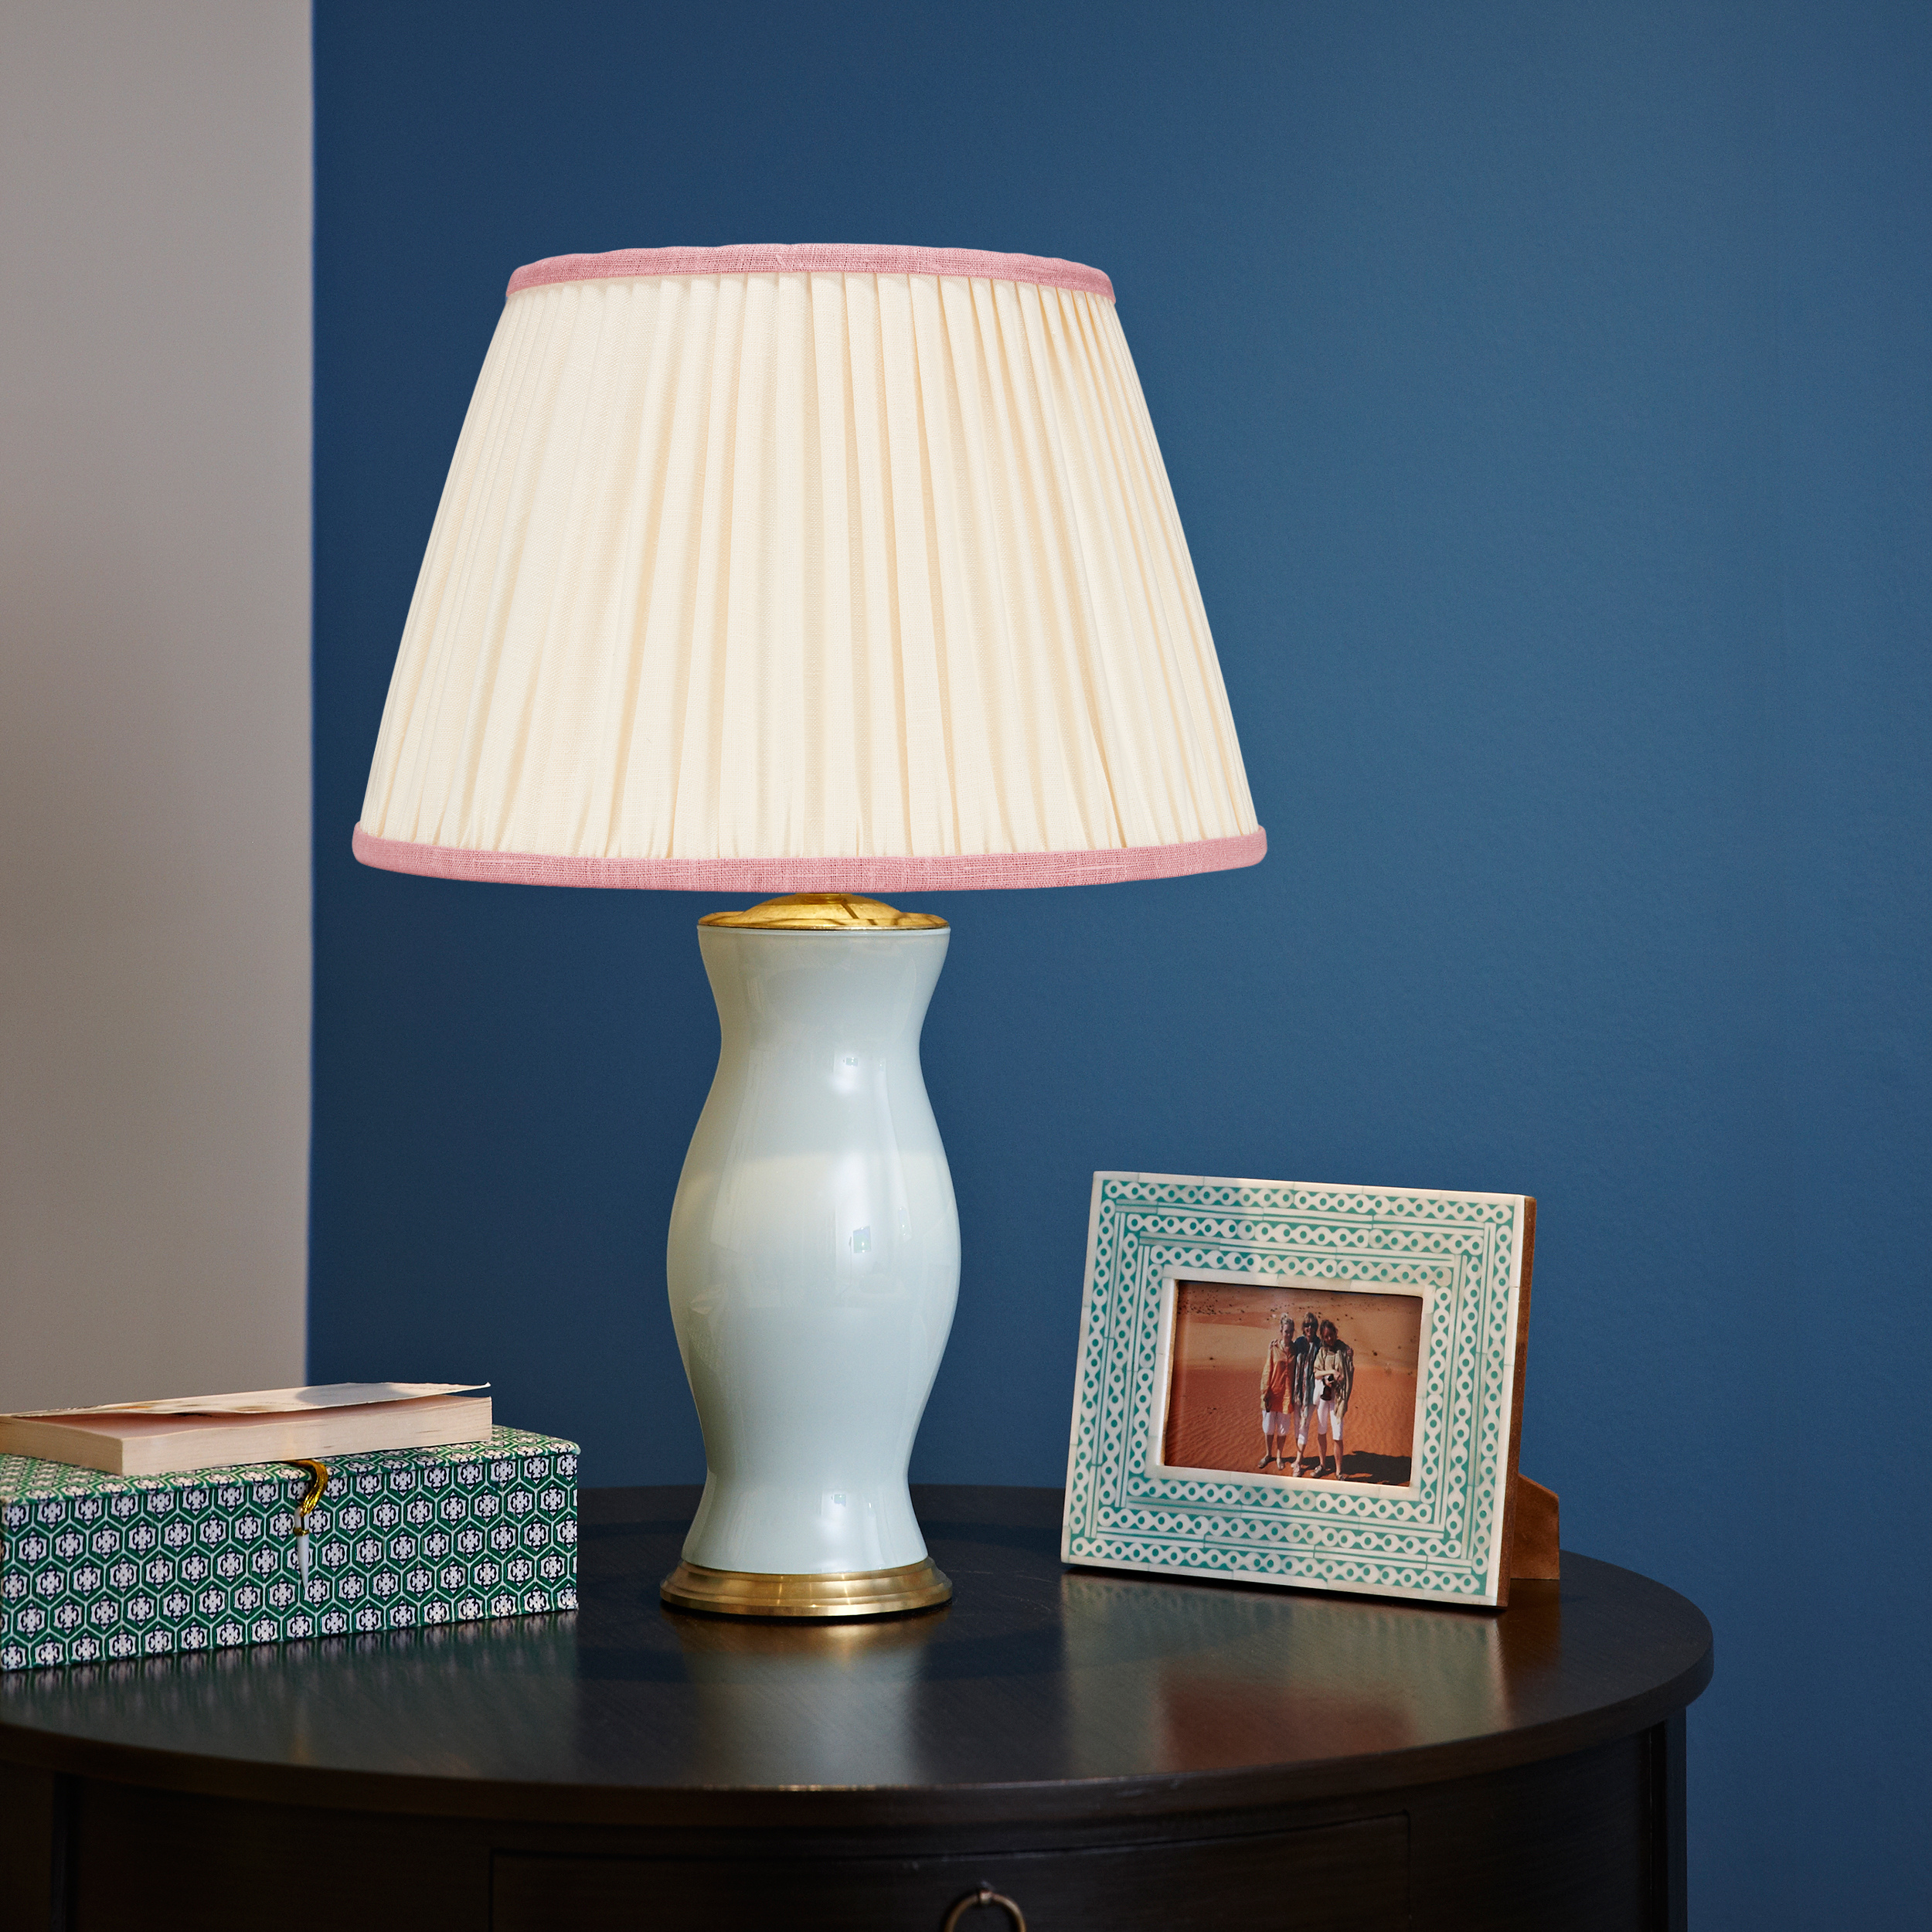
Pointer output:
x,y
820,571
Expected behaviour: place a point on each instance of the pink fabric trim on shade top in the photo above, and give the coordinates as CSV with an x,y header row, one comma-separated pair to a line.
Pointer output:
x,y
801,258
966,873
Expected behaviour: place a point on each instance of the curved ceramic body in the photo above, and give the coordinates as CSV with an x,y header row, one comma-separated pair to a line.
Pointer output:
x,y
814,1259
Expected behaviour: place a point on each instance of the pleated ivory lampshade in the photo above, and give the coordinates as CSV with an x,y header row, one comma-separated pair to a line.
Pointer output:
x,y
807,569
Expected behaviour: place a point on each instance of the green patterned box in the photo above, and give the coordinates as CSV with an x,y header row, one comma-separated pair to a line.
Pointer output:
x,y
95,1565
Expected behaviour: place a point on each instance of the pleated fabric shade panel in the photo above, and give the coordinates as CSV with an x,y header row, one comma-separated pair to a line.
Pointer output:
x,y
793,568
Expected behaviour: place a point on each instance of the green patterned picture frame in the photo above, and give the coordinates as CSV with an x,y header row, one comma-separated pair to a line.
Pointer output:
x,y
1444,1538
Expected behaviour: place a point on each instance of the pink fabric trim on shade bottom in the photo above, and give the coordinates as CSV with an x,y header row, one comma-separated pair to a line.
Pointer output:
x,y
967,871
804,258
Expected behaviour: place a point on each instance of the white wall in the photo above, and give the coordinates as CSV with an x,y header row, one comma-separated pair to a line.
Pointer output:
x,y
154,218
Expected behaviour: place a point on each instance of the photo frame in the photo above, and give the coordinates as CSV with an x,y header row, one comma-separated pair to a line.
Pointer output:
x,y
1187,1279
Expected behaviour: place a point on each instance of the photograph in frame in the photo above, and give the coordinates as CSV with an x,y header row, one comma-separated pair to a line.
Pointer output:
x,y
1302,1385
1319,1377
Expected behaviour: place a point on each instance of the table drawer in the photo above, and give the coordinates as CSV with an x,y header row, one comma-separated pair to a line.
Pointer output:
x,y
1336,1878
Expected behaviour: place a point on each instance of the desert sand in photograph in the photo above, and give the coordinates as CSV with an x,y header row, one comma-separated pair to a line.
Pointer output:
x,y
1222,1330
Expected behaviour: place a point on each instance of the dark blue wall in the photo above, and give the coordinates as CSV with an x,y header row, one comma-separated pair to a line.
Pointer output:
x,y
1545,389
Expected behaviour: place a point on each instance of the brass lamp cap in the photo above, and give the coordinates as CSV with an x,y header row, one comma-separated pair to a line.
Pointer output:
x,y
826,912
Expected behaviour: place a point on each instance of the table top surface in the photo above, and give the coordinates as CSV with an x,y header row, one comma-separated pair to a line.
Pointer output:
x,y
1078,1691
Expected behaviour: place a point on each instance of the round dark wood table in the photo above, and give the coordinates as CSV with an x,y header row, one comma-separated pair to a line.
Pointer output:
x,y
1104,1750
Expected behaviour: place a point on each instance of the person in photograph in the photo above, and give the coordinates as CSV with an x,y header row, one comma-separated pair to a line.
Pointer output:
x,y
1331,1375
1302,1391
1277,1384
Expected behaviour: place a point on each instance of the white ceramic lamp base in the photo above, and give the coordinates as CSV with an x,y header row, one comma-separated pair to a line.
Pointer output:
x,y
814,1264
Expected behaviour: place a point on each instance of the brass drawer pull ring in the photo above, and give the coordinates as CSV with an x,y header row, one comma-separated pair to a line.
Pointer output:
x,y
985,1895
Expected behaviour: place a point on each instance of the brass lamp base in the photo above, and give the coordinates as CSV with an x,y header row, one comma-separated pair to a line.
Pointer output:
x,y
854,1592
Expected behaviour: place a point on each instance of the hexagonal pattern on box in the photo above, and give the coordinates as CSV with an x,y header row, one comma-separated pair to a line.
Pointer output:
x,y
94,1566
